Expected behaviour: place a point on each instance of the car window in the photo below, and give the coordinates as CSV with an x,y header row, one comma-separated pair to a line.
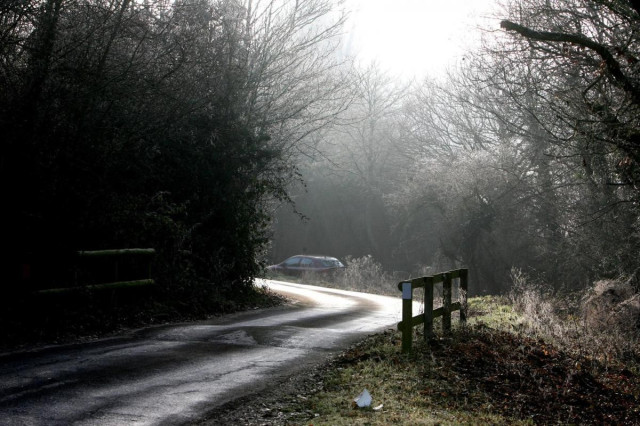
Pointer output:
x,y
293,261
306,261
331,263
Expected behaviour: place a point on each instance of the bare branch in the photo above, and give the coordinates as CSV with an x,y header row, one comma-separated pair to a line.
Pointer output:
x,y
611,64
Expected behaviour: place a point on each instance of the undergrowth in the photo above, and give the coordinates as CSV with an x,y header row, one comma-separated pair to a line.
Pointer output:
x,y
612,338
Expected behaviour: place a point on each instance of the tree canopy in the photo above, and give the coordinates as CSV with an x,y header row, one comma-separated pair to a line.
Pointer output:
x,y
159,124
524,156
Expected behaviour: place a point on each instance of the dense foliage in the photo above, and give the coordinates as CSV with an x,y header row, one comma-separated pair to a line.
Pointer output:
x,y
155,124
525,155
177,125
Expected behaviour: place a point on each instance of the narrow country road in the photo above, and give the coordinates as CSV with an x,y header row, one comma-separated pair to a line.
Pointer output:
x,y
173,374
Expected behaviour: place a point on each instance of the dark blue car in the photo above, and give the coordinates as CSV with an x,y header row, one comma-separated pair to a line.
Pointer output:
x,y
297,265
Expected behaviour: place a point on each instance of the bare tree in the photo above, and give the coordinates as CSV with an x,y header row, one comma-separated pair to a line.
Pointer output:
x,y
589,50
168,123
296,83
562,100
359,166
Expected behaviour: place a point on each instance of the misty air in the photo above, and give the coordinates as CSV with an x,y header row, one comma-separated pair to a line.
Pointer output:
x,y
320,212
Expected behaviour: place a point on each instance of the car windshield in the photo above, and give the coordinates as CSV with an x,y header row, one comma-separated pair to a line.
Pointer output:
x,y
293,261
331,262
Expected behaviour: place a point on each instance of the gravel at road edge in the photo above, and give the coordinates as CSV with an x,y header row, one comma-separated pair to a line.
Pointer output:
x,y
280,404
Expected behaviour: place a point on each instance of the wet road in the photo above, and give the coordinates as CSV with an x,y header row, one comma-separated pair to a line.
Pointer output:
x,y
174,374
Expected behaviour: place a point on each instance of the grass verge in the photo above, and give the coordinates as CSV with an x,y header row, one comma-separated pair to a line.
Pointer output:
x,y
486,373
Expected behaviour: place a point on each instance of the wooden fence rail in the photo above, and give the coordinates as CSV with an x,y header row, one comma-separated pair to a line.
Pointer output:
x,y
115,257
409,321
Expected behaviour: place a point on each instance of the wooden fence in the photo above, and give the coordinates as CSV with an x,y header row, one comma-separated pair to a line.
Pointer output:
x,y
112,273
409,321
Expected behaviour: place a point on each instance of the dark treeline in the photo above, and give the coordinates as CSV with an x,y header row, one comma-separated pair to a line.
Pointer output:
x,y
179,125
163,124
525,156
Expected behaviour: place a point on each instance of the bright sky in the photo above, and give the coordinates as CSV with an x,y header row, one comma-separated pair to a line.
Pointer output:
x,y
415,37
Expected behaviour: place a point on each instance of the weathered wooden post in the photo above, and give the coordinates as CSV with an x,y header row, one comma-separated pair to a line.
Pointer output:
x,y
464,287
446,303
407,323
426,318
428,308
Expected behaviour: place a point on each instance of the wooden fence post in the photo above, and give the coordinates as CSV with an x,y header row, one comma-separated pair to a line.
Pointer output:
x,y
464,287
446,303
428,308
427,317
407,323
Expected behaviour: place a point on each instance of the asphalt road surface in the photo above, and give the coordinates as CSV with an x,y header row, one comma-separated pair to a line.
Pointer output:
x,y
174,374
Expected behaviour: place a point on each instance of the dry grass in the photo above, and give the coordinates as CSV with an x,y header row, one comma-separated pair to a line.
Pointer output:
x,y
496,370
585,324
528,358
412,390
489,372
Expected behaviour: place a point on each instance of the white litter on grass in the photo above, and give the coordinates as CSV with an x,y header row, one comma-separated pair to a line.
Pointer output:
x,y
364,399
